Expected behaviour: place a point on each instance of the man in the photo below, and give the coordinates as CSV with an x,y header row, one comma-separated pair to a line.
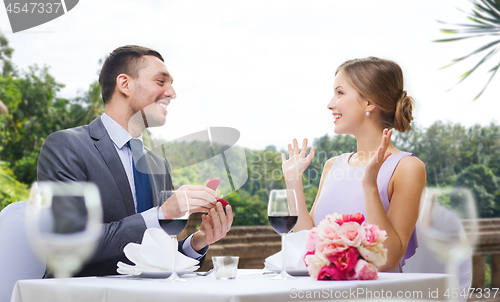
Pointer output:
x,y
136,89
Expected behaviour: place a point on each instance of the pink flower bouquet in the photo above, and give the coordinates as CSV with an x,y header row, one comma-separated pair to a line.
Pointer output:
x,y
345,247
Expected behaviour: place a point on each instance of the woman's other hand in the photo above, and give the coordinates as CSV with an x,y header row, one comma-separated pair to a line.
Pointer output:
x,y
294,167
374,164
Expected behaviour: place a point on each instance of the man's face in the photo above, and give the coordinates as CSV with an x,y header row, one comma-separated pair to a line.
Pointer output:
x,y
151,93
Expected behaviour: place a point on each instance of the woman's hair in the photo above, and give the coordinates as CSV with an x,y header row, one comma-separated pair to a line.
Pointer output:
x,y
381,82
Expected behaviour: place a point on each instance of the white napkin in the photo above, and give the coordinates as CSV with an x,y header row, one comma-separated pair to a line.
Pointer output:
x,y
295,245
154,255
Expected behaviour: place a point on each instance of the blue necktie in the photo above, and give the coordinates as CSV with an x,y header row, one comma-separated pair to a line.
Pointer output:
x,y
143,194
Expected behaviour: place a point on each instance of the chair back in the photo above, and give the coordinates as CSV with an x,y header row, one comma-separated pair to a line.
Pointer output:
x,y
17,261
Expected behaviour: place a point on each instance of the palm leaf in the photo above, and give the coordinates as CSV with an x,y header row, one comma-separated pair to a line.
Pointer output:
x,y
479,50
484,59
468,31
487,26
480,22
463,38
489,9
455,39
486,22
494,69
479,16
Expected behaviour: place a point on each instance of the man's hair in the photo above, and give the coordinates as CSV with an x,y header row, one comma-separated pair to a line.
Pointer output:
x,y
126,59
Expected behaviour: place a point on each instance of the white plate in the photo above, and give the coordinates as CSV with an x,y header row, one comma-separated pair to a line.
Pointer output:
x,y
161,274
293,272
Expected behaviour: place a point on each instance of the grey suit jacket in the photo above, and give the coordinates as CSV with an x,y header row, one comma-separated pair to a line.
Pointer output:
x,y
87,153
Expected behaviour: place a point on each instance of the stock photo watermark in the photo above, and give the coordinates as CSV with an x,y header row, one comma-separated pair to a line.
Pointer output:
x,y
26,14
365,293
267,166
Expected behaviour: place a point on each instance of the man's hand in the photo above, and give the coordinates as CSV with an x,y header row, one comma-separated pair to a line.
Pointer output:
x,y
213,227
200,198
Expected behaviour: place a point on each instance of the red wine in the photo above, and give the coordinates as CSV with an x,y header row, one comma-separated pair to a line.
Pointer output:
x,y
282,224
173,226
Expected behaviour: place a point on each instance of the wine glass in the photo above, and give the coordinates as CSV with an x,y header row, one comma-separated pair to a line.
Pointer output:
x,y
282,212
63,224
449,226
173,216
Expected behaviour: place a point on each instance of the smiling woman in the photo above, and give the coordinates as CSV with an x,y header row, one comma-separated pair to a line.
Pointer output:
x,y
379,181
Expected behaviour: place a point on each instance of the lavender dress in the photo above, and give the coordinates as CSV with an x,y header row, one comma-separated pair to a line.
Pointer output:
x,y
342,193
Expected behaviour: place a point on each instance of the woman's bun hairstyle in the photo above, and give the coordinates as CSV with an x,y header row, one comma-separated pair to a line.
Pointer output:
x,y
381,82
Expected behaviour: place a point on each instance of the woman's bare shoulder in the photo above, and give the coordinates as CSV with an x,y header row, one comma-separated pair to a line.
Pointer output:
x,y
410,167
411,163
329,163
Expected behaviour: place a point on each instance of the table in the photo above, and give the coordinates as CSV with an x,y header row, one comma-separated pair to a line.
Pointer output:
x,y
249,285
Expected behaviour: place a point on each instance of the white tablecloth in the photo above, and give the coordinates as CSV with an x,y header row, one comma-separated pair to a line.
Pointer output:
x,y
249,285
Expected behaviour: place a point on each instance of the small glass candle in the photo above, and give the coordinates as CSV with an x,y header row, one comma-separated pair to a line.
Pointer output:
x,y
225,267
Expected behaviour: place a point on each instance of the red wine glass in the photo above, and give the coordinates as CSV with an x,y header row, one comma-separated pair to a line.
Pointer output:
x,y
173,215
282,212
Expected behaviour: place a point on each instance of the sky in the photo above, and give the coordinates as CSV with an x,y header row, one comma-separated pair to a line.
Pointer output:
x,y
266,67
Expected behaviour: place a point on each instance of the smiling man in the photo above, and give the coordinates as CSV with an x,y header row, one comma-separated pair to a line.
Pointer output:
x,y
137,89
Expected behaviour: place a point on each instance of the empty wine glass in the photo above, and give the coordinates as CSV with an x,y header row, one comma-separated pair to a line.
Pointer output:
x,y
449,226
282,212
63,224
173,216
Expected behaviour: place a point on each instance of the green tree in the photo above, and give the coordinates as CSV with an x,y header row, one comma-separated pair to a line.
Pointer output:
x,y
11,96
249,209
440,149
6,56
85,108
11,190
483,184
34,113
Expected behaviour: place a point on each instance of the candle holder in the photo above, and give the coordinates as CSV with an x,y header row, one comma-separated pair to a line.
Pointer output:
x,y
225,267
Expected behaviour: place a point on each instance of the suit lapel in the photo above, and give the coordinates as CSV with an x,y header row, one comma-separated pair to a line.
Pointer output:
x,y
105,146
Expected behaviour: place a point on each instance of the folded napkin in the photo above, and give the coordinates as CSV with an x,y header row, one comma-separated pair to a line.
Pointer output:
x,y
295,251
154,255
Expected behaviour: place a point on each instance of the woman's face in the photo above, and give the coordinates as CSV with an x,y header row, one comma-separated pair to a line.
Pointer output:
x,y
347,106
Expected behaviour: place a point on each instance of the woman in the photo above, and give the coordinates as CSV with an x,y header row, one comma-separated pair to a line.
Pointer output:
x,y
378,180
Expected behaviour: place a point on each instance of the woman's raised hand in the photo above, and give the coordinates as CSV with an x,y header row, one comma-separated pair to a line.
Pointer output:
x,y
374,164
297,161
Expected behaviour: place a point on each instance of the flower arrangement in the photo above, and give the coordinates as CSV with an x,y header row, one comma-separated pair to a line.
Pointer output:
x,y
345,247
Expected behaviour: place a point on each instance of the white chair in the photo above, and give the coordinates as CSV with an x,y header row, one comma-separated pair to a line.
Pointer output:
x,y
17,262
424,260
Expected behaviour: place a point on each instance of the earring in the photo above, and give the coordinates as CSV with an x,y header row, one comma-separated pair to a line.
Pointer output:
x,y
367,113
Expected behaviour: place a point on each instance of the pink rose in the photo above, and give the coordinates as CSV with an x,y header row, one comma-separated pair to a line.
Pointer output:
x,y
328,247
330,272
352,233
358,217
307,254
364,271
375,254
328,231
333,218
315,263
373,234
345,260
312,238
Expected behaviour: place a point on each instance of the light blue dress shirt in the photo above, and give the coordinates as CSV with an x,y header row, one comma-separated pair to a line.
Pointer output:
x,y
120,137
